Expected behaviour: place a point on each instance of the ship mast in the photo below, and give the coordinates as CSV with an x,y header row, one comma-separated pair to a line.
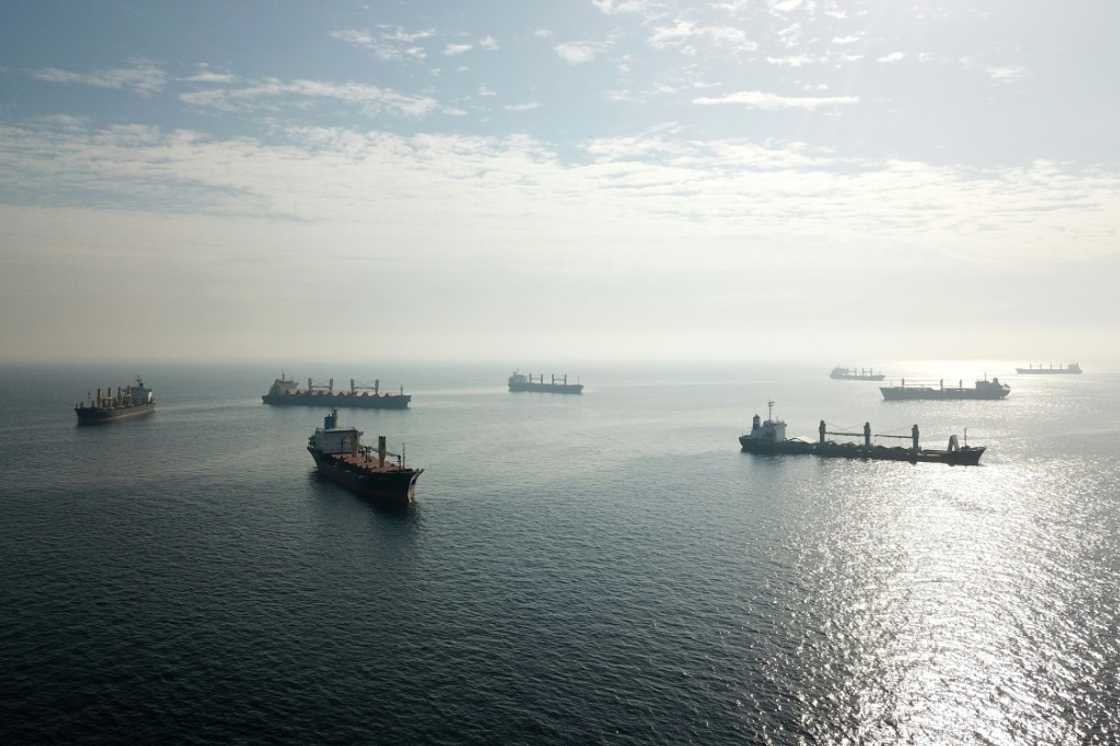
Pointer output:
x,y
770,405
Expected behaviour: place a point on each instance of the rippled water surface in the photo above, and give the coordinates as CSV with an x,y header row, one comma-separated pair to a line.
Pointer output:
x,y
604,568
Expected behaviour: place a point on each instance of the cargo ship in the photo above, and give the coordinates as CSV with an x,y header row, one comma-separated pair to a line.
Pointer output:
x,y
285,392
556,384
769,438
856,374
110,406
985,389
1073,369
378,475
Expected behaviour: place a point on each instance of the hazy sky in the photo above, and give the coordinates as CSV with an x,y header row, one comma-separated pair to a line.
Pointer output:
x,y
549,180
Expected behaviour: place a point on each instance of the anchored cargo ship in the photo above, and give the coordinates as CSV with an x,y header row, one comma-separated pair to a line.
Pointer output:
x,y
340,457
985,389
856,374
125,402
1073,369
769,438
285,392
556,385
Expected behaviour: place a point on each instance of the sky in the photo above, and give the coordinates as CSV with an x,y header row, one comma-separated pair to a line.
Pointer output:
x,y
577,180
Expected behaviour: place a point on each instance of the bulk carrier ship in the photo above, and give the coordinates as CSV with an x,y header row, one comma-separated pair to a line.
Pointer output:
x,y
340,457
1073,369
127,401
285,392
856,374
985,389
769,438
521,382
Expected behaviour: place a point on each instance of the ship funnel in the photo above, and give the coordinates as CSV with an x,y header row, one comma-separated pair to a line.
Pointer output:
x,y
351,385
376,386
330,422
330,385
381,449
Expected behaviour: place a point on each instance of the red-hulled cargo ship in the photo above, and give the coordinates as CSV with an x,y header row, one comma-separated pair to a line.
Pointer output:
x,y
341,457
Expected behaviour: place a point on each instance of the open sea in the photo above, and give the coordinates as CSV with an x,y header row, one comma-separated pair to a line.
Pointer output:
x,y
607,568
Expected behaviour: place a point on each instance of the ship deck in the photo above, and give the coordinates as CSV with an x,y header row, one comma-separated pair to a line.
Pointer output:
x,y
368,464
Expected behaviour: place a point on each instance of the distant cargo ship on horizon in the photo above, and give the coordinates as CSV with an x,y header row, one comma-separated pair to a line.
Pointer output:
x,y
985,389
521,382
286,393
856,374
1073,369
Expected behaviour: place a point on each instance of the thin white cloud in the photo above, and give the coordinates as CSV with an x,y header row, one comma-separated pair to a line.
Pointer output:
x,y
798,60
144,78
210,76
787,6
892,57
389,42
615,7
484,91
578,52
489,43
683,34
528,106
776,102
842,40
543,33
453,50
272,93
1006,73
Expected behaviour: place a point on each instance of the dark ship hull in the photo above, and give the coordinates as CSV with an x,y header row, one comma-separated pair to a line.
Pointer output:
x,y
965,456
358,401
388,487
921,393
547,388
1048,371
105,415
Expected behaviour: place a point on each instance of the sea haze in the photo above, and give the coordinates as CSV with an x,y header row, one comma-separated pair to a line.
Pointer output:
x,y
603,568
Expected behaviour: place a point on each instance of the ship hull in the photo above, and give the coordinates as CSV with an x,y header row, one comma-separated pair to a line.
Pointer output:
x,y
355,401
1046,372
876,377
396,488
106,415
927,394
548,388
964,457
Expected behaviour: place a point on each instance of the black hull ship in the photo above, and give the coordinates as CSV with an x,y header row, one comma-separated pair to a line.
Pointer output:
x,y
985,389
125,403
769,438
521,382
288,393
1073,369
856,374
340,457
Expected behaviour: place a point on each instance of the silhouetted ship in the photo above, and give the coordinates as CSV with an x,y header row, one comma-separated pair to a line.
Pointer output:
x,y
769,438
340,457
856,374
285,392
127,401
985,389
1073,369
522,382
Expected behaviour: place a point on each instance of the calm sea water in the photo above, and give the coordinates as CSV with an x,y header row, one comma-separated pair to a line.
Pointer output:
x,y
605,568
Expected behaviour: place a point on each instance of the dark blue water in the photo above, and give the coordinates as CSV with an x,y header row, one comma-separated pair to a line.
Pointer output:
x,y
605,568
